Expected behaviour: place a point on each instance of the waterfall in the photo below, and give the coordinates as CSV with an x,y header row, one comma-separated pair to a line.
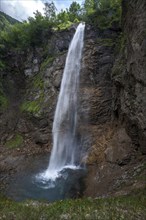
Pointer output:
x,y
65,150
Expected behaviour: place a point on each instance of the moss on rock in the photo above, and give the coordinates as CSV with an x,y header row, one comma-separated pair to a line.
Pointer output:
x,y
38,82
3,99
15,141
46,62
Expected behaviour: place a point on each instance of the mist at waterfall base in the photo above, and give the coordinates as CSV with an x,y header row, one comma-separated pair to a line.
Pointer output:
x,y
64,177
24,185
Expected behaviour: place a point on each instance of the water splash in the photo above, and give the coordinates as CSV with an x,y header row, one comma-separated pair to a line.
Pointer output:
x,y
65,148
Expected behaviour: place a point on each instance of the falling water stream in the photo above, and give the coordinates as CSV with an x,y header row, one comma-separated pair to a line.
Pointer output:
x,y
63,175
65,121
65,150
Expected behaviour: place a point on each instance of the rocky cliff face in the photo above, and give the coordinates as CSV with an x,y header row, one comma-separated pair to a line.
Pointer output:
x,y
130,73
31,86
112,106
118,152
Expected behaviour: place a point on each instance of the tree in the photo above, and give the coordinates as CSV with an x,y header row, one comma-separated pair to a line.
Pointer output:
x,y
74,11
90,6
50,11
62,17
102,13
39,29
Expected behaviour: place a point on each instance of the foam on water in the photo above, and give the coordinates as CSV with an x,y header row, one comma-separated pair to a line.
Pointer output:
x,y
48,178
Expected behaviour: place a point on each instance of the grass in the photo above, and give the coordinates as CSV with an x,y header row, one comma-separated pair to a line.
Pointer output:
x,y
34,106
119,208
33,102
46,62
31,107
15,141
38,82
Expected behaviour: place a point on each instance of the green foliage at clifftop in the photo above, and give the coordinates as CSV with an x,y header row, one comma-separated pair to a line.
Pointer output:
x,y
103,13
36,31
27,34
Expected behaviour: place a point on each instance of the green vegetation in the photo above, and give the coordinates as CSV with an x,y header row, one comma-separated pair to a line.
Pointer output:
x,y
3,101
23,35
46,62
36,31
31,106
34,106
17,36
3,22
120,43
38,82
8,18
103,13
123,207
15,142
64,25
2,65
3,98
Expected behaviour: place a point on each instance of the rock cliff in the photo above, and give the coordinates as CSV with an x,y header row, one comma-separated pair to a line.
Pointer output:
x,y
129,73
118,152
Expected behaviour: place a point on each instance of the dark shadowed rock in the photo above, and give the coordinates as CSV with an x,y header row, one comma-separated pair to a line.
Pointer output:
x,y
40,138
130,73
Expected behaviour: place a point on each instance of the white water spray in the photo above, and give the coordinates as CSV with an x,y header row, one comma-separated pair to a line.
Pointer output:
x,y
65,150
